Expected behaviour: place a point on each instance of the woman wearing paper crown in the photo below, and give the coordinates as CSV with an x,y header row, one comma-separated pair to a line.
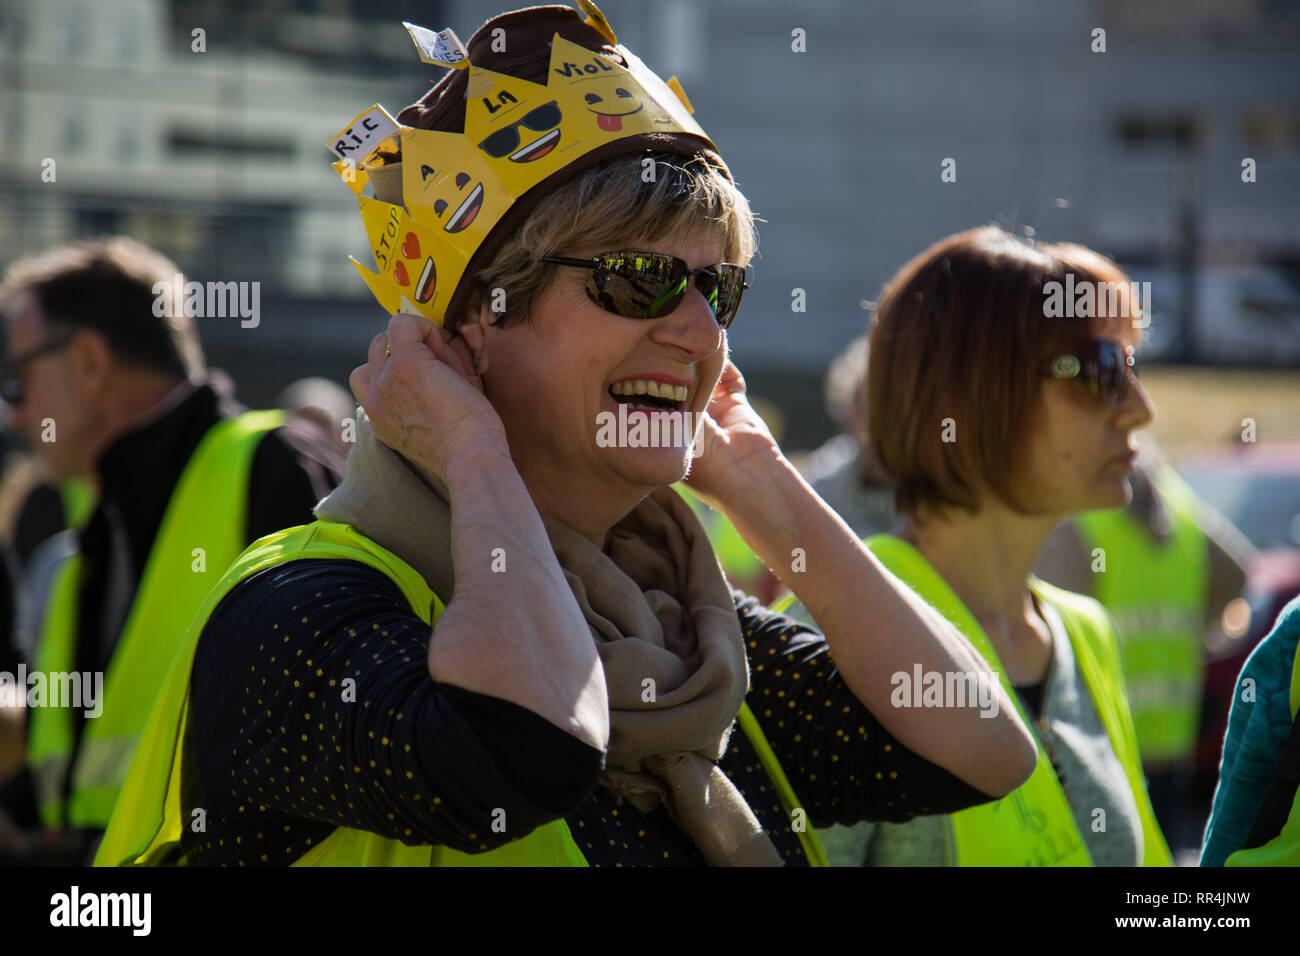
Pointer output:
x,y
591,691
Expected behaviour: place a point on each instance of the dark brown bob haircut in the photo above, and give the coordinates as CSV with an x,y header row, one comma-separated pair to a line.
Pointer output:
x,y
963,332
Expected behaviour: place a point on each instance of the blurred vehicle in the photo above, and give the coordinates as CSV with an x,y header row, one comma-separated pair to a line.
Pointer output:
x,y
1249,315
1245,314
1257,487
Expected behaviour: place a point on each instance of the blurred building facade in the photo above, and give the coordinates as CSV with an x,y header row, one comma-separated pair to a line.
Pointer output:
x,y
218,157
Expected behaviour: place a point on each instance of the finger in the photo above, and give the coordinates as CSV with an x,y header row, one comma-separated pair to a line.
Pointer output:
x,y
359,382
434,334
405,331
375,354
708,426
731,380
460,358
443,345
436,343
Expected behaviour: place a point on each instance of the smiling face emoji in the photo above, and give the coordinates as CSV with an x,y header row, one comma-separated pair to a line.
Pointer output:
x,y
516,141
414,271
407,276
610,109
464,204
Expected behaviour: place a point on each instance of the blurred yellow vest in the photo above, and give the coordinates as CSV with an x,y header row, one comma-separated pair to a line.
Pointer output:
x,y
202,531
1034,825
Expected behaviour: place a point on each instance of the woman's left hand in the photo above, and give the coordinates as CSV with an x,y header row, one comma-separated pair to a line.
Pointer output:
x,y
731,438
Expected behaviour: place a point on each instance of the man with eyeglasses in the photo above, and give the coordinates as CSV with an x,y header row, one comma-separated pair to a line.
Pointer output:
x,y
103,388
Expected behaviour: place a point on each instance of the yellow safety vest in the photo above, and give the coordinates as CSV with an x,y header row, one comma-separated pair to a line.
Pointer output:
x,y
1283,849
202,531
1034,825
79,499
147,828
1156,593
738,560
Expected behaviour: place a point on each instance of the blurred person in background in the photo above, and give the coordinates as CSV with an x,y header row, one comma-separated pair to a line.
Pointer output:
x,y
103,384
843,470
330,407
995,421
1165,566
1255,820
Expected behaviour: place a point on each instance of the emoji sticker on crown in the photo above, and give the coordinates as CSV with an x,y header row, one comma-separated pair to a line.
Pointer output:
x,y
505,142
407,280
424,286
609,115
464,213
447,189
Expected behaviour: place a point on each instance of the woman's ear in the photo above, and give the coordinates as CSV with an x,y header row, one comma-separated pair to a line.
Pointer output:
x,y
474,328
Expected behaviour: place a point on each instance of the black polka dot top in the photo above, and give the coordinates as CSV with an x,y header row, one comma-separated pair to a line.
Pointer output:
x,y
312,708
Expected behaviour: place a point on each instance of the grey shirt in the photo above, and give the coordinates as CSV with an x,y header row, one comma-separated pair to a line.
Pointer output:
x,y
1092,775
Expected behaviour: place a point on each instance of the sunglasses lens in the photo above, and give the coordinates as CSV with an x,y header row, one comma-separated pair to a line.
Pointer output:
x,y
1103,366
647,285
505,140
637,285
544,117
501,143
1110,368
707,283
1114,379
726,299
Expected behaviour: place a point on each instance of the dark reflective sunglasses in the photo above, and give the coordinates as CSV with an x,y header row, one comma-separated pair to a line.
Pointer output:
x,y
1106,367
506,140
12,389
647,285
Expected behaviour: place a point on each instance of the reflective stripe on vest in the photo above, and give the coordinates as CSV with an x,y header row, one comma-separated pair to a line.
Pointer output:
x,y
150,833
1283,849
1156,594
1034,825
201,532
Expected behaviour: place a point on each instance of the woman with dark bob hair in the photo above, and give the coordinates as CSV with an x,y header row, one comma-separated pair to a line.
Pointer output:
x,y
591,692
1003,397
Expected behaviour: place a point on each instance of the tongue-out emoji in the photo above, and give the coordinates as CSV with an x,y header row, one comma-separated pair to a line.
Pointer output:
x,y
612,122
424,287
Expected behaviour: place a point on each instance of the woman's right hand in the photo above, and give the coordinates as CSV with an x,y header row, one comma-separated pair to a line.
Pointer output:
x,y
425,399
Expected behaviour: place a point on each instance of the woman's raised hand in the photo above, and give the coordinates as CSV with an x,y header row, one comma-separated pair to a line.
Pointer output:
x,y
729,435
424,397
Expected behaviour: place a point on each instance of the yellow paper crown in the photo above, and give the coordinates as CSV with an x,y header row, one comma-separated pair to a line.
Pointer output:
x,y
456,187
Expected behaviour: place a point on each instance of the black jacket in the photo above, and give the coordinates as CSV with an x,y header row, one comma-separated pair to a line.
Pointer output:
x,y
137,475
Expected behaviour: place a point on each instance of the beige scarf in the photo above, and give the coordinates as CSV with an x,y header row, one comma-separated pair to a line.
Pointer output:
x,y
658,608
